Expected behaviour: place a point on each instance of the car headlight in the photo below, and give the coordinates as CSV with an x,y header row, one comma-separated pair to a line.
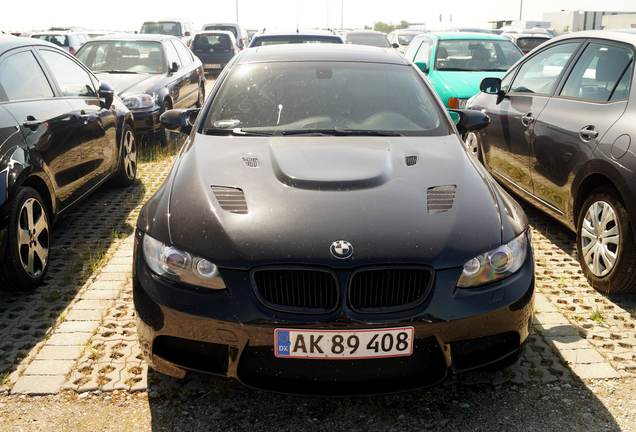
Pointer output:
x,y
140,101
496,264
180,266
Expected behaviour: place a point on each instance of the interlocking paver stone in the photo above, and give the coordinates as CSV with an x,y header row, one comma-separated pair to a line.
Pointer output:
x,y
38,384
66,352
84,315
77,338
49,367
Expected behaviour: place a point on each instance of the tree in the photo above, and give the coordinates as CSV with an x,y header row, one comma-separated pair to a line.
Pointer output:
x,y
389,27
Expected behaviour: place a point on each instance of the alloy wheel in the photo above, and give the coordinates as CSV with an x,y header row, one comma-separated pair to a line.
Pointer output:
x,y
130,155
600,238
33,238
472,144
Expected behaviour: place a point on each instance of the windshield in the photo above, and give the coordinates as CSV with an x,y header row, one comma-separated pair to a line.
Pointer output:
x,y
372,39
296,97
476,55
231,29
123,56
57,39
406,38
163,27
293,39
527,44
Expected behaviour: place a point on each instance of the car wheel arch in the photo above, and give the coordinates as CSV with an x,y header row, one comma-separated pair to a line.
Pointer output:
x,y
36,182
589,183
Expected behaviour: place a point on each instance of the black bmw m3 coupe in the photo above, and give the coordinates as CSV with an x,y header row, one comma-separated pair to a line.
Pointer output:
x,y
325,231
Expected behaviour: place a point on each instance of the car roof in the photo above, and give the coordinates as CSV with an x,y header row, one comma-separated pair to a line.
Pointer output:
x,y
618,36
302,33
213,32
366,32
134,37
56,32
456,35
8,42
321,52
222,24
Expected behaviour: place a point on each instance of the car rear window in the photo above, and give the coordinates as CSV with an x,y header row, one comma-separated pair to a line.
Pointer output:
x,y
163,27
294,39
222,28
291,96
476,55
371,39
122,56
529,43
215,42
57,39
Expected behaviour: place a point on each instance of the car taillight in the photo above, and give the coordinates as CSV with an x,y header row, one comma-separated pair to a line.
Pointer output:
x,y
453,103
71,50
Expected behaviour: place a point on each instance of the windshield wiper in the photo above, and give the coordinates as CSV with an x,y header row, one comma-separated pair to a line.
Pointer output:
x,y
114,71
339,132
235,131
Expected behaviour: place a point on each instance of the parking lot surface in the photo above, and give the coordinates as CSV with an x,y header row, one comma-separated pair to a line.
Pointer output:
x,y
74,340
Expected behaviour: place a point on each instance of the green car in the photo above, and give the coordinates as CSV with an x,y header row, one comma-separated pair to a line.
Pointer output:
x,y
456,62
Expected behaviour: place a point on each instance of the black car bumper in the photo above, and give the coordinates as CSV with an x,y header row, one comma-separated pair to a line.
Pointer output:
x,y
147,122
232,334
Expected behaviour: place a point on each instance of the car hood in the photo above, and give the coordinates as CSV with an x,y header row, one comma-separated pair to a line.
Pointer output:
x,y
127,84
308,192
461,85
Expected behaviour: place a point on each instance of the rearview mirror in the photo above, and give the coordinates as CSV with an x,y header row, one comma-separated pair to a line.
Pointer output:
x,y
469,120
422,66
174,67
180,120
106,94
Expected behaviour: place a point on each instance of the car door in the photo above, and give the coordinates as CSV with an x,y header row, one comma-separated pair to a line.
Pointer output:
x,y
45,121
566,133
192,74
176,80
96,131
509,137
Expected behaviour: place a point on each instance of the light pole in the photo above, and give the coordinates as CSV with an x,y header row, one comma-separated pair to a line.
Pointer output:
x,y
341,14
236,2
520,10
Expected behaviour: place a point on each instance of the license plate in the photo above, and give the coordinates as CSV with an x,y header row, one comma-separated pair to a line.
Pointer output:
x,y
350,344
212,66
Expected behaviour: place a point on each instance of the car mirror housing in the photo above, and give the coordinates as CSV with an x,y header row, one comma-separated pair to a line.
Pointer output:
x,y
395,45
106,94
490,86
422,66
180,120
174,67
469,120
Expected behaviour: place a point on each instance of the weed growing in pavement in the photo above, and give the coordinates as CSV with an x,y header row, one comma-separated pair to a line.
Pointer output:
x,y
597,316
153,151
94,258
4,378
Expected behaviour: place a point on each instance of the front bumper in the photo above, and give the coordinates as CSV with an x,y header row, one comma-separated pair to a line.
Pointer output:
x,y
230,333
147,122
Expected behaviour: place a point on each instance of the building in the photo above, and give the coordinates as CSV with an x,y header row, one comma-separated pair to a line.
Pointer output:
x,y
579,20
619,21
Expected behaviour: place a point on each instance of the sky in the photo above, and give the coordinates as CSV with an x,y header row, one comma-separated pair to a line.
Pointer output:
x,y
284,14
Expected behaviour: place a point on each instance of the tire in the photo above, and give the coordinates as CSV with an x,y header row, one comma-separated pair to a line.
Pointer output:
x,y
28,241
473,147
127,172
612,238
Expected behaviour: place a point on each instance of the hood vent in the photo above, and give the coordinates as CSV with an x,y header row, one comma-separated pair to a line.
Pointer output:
x,y
440,199
230,199
410,160
250,160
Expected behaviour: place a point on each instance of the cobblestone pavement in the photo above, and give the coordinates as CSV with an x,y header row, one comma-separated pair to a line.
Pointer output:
x,y
77,332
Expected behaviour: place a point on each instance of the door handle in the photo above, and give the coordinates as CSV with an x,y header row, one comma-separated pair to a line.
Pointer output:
x,y
32,123
527,120
588,133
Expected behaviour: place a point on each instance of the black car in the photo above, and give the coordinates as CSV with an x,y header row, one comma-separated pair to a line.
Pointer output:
x,y
62,134
562,124
215,49
150,73
294,38
325,231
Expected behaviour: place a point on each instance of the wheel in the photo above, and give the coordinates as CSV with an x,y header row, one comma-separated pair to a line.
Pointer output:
x,y
128,165
200,96
164,137
471,141
605,245
29,237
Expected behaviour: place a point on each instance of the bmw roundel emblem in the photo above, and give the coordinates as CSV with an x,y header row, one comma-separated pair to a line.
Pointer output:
x,y
341,249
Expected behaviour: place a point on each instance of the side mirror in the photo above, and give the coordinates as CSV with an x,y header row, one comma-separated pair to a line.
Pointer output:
x,y
174,67
187,33
106,94
469,120
490,86
180,120
422,66
395,45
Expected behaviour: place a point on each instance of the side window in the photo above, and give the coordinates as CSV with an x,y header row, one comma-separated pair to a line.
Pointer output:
x,y
184,53
171,54
424,53
72,79
598,74
540,74
412,49
507,80
21,77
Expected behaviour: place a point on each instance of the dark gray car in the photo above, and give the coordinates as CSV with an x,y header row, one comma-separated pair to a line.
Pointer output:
x,y
562,123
